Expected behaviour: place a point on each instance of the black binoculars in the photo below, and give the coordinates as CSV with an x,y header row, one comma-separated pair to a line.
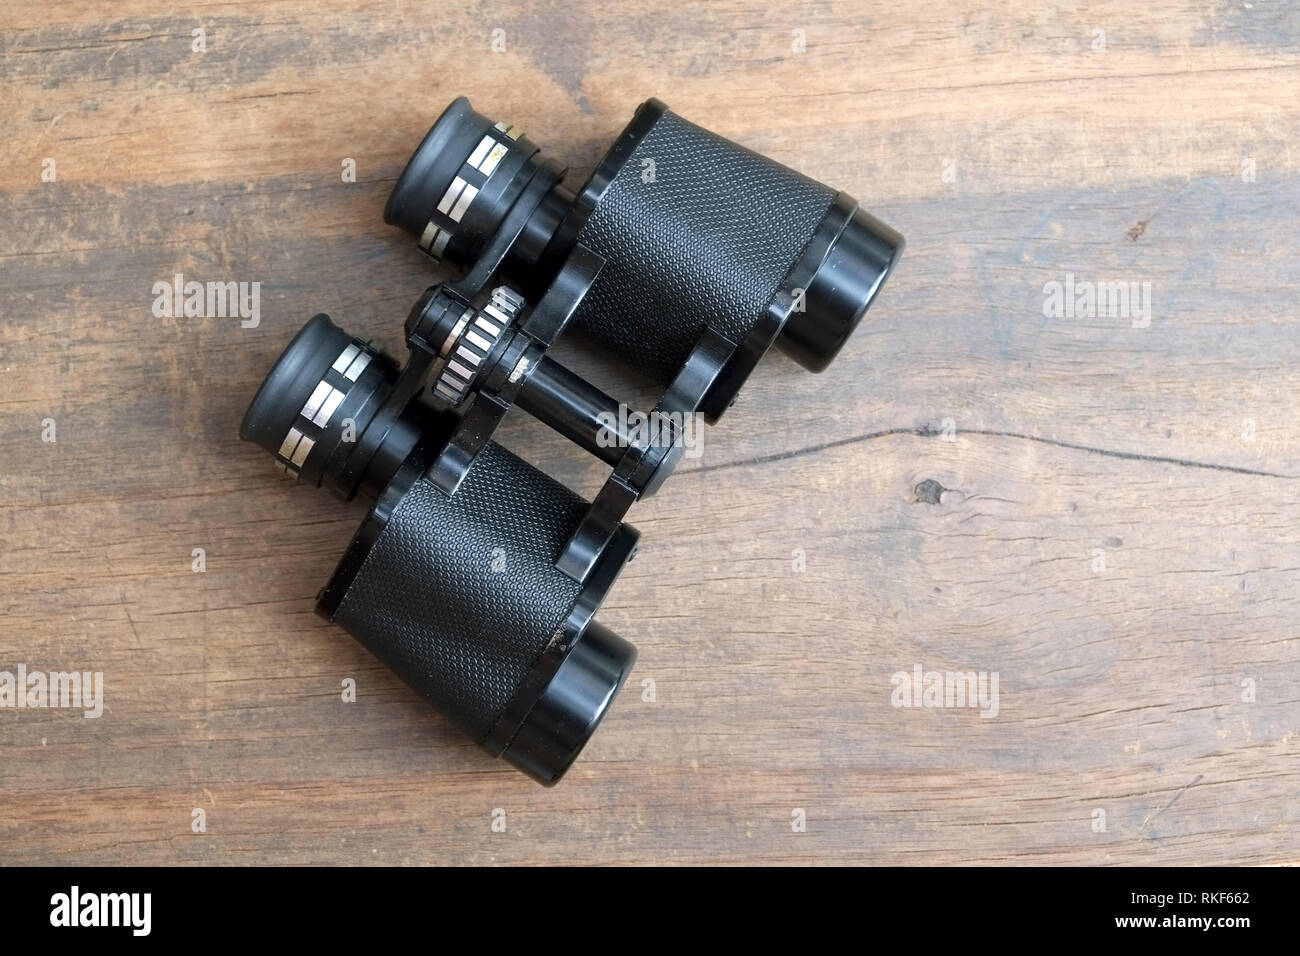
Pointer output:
x,y
475,576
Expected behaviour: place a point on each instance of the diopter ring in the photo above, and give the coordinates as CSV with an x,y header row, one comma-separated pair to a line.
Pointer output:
x,y
473,176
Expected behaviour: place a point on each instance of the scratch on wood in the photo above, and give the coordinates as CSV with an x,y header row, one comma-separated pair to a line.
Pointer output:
x,y
1152,816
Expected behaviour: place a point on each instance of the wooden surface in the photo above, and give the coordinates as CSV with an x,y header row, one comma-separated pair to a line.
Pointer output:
x,y
1170,451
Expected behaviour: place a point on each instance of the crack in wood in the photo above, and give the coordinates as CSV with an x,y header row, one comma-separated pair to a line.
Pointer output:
x,y
930,431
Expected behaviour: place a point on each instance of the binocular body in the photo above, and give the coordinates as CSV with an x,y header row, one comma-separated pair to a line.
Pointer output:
x,y
451,579
475,576
460,594
696,234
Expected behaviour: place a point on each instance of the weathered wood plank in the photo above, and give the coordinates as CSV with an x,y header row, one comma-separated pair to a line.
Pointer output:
x,y
953,482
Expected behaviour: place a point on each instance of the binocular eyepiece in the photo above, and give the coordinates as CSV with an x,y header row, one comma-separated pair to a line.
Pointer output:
x,y
475,576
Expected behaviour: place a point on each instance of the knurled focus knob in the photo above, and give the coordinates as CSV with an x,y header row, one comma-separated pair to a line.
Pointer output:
x,y
470,341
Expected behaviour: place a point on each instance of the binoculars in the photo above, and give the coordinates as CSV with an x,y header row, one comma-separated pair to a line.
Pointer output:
x,y
475,576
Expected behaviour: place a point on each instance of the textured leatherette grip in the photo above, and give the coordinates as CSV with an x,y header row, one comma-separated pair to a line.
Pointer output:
x,y
460,594
707,239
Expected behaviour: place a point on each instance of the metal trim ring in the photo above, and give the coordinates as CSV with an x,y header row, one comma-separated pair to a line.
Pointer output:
x,y
315,415
474,174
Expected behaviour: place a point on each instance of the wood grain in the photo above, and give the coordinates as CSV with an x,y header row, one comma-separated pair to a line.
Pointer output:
x,y
950,480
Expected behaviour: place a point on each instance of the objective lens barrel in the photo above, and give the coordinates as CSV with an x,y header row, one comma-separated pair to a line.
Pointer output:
x,y
461,597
